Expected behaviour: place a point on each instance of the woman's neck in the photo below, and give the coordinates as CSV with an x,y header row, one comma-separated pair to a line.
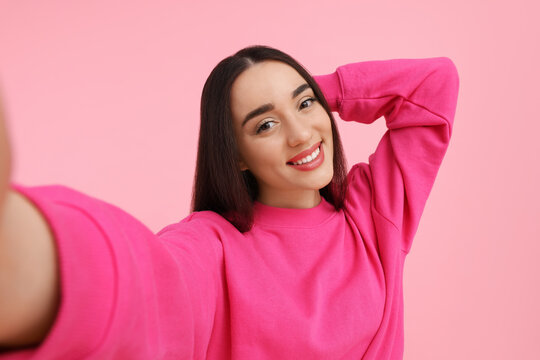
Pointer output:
x,y
294,200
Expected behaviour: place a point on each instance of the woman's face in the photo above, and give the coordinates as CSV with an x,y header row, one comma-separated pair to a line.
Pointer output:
x,y
276,118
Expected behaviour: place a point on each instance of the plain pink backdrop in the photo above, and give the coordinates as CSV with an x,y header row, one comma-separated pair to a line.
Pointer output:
x,y
103,96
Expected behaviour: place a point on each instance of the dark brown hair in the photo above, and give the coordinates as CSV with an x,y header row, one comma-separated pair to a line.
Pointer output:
x,y
219,184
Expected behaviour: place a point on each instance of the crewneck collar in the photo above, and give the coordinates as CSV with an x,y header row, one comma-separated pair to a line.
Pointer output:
x,y
293,217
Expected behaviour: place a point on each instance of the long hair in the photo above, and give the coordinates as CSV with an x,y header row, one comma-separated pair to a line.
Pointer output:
x,y
219,184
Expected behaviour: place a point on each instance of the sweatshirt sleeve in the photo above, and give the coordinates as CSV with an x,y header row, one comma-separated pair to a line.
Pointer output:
x,y
125,293
418,99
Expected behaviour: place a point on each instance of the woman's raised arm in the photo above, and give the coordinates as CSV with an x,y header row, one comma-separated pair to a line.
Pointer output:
x,y
417,98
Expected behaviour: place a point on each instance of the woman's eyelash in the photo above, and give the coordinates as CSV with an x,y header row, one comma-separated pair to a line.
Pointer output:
x,y
259,129
309,99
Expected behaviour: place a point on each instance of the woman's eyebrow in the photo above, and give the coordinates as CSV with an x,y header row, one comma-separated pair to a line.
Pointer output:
x,y
258,111
299,90
268,107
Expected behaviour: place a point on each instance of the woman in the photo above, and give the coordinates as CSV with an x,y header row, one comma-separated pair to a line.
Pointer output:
x,y
285,256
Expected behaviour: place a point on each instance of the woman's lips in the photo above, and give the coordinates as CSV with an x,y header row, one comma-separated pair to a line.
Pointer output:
x,y
313,164
305,153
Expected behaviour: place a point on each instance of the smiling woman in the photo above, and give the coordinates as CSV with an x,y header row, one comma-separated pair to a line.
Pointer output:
x,y
285,255
260,112
301,126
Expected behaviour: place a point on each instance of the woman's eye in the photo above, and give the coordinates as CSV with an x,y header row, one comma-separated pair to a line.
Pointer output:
x,y
306,103
264,126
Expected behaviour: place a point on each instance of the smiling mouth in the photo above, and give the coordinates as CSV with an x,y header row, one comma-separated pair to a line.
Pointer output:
x,y
308,158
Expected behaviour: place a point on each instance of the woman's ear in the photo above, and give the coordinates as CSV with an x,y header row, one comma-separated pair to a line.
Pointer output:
x,y
242,165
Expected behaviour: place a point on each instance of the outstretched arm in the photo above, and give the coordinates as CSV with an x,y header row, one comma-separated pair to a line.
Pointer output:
x,y
81,278
29,292
417,98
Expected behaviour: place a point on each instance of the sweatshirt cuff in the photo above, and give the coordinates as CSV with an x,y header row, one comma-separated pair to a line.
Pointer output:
x,y
331,88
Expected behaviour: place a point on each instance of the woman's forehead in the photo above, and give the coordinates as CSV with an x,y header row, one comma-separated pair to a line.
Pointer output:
x,y
267,73
262,83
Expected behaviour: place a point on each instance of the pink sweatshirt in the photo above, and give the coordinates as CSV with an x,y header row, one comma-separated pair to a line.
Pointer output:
x,y
302,284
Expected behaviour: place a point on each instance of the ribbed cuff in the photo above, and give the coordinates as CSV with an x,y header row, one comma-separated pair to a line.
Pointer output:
x,y
331,89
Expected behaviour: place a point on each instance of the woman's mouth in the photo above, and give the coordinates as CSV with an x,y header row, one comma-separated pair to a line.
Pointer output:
x,y
311,161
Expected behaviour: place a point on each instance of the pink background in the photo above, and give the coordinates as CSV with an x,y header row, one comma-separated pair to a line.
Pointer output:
x,y
103,96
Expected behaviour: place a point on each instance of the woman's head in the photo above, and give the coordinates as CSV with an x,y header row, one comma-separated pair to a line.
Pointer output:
x,y
260,109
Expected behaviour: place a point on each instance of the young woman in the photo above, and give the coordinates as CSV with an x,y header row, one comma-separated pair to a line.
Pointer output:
x,y
286,255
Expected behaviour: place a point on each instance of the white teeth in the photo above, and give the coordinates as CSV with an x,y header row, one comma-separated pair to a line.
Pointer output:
x,y
309,158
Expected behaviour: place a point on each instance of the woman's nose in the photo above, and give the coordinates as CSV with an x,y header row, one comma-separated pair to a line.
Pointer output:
x,y
298,131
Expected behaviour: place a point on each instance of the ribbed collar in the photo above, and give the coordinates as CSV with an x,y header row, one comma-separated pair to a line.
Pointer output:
x,y
299,218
